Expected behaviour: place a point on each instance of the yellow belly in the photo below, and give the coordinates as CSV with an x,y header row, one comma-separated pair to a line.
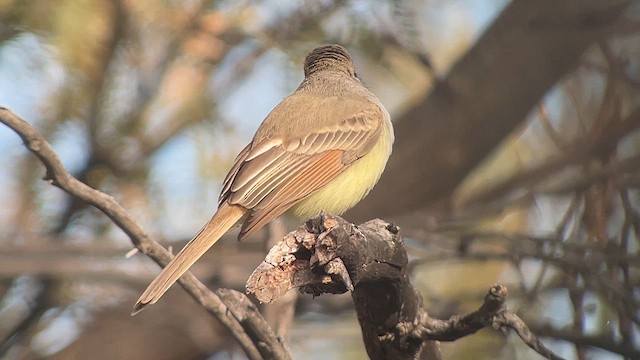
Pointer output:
x,y
348,188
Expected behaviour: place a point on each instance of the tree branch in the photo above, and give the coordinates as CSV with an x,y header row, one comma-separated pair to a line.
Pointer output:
x,y
329,255
493,312
604,341
56,174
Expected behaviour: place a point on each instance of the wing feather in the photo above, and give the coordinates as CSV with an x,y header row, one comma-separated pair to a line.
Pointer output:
x,y
253,170
250,197
270,177
228,180
327,167
258,170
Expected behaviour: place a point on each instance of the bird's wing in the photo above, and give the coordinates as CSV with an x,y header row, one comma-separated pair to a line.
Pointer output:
x,y
270,177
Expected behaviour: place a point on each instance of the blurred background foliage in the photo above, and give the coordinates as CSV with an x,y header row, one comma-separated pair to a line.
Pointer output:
x,y
150,100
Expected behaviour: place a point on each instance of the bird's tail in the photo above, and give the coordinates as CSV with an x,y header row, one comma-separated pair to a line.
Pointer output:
x,y
224,219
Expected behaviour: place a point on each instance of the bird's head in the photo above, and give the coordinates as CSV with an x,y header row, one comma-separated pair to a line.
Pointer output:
x,y
329,58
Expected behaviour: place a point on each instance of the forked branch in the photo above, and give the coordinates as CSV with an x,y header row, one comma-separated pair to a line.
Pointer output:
x,y
330,255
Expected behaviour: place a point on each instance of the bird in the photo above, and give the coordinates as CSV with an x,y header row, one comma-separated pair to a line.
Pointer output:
x,y
323,148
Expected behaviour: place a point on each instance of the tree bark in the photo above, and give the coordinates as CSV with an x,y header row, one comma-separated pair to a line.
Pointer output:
x,y
330,255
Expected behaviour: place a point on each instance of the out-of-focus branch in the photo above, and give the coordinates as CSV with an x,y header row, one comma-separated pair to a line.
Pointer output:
x,y
493,312
557,251
56,174
71,268
452,131
574,154
37,306
599,341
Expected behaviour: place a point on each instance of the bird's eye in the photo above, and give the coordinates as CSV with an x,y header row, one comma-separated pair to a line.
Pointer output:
x,y
355,74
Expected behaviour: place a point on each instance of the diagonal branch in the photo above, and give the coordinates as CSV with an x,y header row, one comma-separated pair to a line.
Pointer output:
x,y
493,312
56,174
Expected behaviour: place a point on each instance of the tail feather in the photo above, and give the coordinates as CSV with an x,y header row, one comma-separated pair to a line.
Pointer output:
x,y
224,219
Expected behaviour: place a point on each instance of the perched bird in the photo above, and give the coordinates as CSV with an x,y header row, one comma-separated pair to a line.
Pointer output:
x,y
322,148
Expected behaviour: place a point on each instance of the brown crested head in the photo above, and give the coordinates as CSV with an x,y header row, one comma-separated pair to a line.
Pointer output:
x,y
328,58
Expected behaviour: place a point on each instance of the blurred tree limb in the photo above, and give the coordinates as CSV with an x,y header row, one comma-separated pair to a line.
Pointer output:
x,y
576,153
466,115
263,344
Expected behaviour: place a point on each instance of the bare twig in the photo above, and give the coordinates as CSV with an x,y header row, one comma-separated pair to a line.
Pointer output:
x,y
254,324
58,176
493,312
577,153
603,341
512,321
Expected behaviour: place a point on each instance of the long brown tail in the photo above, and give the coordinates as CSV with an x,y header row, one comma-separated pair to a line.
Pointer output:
x,y
223,220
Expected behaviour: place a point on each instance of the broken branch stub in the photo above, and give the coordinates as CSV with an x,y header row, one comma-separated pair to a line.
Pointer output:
x,y
305,259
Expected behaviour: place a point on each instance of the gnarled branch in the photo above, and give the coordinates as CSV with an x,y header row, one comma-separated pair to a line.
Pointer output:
x,y
330,255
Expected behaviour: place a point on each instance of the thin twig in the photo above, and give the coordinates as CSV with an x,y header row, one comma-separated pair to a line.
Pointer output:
x,y
551,132
602,341
513,321
493,312
577,153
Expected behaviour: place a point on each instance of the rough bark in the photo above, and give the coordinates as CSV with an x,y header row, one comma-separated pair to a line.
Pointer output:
x,y
330,255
